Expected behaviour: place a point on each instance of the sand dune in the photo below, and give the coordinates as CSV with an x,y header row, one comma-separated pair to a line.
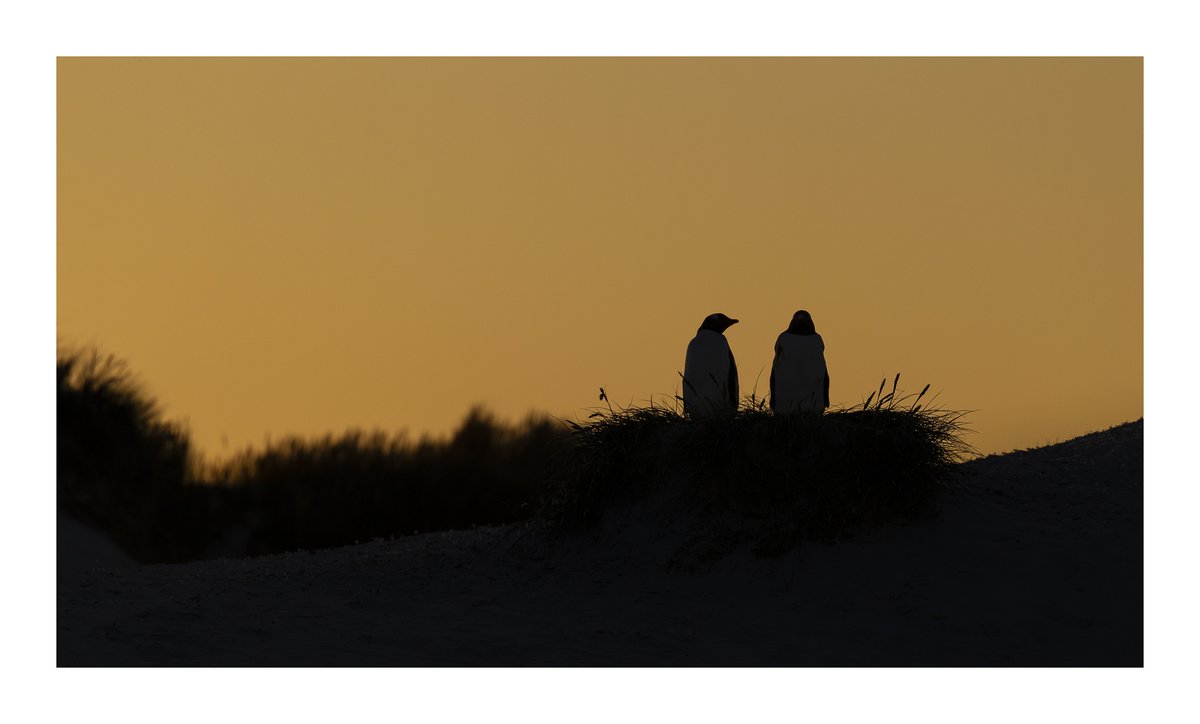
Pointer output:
x,y
1033,559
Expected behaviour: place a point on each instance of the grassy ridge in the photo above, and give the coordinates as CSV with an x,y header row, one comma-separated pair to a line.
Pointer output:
x,y
124,470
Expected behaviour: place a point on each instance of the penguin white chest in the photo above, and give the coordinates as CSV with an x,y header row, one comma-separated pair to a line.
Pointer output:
x,y
706,386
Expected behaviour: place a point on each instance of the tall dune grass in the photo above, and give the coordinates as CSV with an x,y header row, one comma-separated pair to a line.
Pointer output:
x,y
126,471
120,467
357,486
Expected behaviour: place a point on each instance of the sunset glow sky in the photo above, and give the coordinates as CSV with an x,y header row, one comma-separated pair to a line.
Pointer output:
x,y
302,246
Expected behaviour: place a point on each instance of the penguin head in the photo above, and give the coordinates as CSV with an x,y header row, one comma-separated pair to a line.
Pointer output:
x,y
802,323
717,323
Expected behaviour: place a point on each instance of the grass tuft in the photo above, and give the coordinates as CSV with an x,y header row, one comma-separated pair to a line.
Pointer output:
x,y
800,476
120,467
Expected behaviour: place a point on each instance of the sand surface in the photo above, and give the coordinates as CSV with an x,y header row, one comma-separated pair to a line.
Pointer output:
x,y
1033,559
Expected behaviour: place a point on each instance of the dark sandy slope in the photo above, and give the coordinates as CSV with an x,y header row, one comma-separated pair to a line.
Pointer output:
x,y
1034,559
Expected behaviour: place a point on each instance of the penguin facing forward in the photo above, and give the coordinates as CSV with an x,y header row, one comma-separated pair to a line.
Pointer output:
x,y
799,377
710,378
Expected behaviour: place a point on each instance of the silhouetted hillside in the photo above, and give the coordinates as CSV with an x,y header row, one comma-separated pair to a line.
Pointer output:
x,y
125,471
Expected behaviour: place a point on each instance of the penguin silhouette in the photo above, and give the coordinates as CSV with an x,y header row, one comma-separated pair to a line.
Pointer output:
x,y
799,376
710,379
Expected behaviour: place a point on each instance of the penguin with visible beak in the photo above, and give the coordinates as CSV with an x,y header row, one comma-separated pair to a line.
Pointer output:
x,y
710,378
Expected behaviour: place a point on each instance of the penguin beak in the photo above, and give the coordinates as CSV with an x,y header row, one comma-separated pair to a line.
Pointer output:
x,y
732,322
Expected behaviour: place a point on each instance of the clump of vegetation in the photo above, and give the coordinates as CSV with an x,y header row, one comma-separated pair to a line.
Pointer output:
x,y
358,486
120,467
126,471
799,476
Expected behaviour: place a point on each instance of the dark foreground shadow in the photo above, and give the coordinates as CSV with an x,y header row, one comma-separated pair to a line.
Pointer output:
x,y
1033,559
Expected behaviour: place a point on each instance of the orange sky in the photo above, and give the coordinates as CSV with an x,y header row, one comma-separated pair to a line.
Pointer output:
x,y
302,246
